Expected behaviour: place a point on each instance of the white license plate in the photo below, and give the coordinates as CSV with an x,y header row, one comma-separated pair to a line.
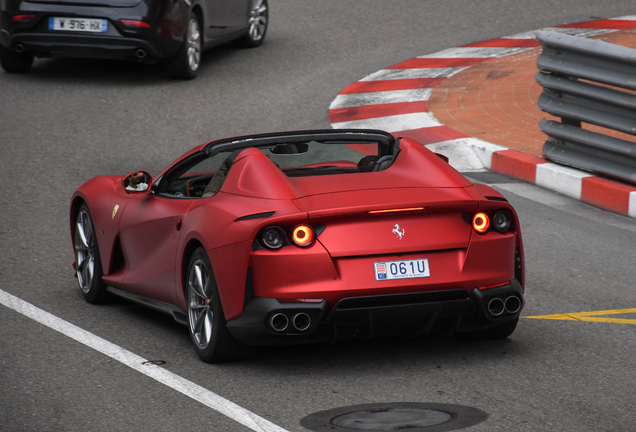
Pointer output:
x,y
78,24
406,269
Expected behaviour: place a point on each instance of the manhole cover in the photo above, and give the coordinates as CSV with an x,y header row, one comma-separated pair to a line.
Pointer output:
x,y
404,416
391,419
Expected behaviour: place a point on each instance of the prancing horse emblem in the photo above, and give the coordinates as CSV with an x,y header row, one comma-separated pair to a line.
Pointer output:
x,y
399,231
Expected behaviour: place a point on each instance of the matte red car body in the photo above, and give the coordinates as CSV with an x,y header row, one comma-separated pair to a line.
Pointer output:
x,y
155,234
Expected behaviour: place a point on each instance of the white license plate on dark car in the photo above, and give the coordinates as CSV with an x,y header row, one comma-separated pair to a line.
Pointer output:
x,y
406,269
78,24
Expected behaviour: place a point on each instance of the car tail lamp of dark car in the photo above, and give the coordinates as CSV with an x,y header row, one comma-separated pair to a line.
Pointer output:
x,y
22,18
501,222
134,23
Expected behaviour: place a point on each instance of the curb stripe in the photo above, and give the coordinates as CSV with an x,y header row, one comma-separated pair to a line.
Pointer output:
x,y
370,111
427,63
395,99
395,74
391,123
432,134
480,53
360,99
520,42
614,24
132,360
392,84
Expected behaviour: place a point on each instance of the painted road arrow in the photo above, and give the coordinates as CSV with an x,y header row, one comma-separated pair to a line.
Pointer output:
x,y
591,316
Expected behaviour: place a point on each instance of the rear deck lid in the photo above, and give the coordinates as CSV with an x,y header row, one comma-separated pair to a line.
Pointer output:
x,y
390,221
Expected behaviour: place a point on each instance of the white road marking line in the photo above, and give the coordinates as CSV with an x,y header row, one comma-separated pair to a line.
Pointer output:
x,y
374,98
473,52
188,388
393,74
395,123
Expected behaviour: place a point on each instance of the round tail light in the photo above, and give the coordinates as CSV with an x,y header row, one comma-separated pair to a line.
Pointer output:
x,y
302,235
502,222
273,237
481,222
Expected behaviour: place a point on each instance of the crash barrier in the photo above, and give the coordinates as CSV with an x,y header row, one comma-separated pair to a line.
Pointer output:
x,y
575,73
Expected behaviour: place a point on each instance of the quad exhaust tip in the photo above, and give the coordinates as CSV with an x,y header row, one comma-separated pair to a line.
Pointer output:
x,y
301,321
496,306
141,54
513,304
19,48
279,322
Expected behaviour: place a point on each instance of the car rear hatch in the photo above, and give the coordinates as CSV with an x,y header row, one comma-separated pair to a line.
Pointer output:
x,y
390,221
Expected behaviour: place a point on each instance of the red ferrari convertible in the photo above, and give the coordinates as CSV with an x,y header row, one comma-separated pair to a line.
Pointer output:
x,y
303,237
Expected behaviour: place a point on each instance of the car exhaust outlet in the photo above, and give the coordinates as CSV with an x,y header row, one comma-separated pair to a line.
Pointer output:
x,y
141,54
19,48
496,306
301,321
279,322
513,304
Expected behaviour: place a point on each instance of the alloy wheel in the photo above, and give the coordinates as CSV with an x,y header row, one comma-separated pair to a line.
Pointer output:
x,y
200,304
258,21
84,251
194,44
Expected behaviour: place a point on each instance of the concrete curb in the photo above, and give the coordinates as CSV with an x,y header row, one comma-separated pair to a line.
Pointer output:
x,y
395,100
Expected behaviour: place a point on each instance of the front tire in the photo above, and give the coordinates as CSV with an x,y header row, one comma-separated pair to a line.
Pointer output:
x,y
15,62
88,264
185,65
257,25
206,321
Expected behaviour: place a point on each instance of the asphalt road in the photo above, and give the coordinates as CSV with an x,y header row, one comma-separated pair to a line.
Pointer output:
x,y
69,120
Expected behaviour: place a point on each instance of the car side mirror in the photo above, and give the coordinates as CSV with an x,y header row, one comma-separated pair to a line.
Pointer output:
x,y
136,182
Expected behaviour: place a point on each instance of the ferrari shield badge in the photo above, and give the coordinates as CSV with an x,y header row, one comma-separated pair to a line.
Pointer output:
x,y
399,231
115,210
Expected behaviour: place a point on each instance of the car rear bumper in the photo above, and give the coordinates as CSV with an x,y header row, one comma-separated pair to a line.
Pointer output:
x,y
81,46
88,46
266,321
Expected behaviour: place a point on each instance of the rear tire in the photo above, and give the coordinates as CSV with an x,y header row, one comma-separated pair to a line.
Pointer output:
x,y
501,331
14,62
87,260
206,321
185,65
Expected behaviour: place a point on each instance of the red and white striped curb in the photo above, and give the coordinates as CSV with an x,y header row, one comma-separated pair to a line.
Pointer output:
x,y
395,100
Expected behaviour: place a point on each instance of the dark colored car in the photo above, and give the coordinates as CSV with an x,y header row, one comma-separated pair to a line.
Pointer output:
x,y
172,31
301,237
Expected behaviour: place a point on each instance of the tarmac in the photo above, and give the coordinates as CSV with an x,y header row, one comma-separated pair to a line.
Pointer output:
x,y
477,104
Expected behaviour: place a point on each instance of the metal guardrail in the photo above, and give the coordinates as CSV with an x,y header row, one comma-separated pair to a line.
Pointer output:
x,y
574,73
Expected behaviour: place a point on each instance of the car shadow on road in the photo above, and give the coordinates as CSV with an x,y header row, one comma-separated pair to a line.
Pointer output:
x,y
433,351
119,72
